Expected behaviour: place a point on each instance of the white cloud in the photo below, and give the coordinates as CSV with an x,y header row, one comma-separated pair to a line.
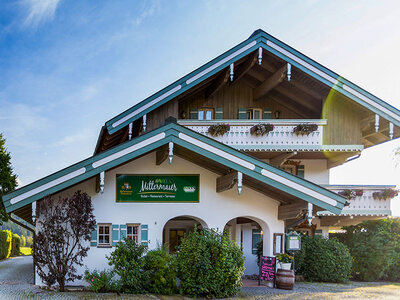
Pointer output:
x,y
39,11
148,11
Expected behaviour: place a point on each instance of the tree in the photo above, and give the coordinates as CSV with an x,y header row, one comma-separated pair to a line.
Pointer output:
x,y
63,225
8,180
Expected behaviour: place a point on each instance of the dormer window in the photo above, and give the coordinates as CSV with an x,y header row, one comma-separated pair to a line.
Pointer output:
x,y
205,114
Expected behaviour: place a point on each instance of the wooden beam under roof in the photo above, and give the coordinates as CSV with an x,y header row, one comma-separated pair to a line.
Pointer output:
x,y
270,83
217,84
281,158
303,100
161,154
292,105
292,211
227,181
245,67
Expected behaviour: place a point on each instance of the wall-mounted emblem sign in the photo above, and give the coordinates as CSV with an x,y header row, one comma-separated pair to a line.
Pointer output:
x,y
158,188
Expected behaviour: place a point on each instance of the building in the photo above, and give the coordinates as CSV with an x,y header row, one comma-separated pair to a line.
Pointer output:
x,y
243,143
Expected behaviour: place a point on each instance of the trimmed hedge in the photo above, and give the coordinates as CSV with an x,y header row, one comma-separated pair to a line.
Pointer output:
x,y
16,244
5,243
325,260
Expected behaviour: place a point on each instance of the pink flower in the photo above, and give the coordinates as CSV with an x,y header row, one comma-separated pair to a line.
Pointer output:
x,y
92,280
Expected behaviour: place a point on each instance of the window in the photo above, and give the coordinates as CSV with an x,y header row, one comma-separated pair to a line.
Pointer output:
x,y
104,235
206,114
132,232
254,114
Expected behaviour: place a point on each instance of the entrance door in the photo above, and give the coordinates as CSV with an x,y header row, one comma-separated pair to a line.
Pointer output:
x,y
175,237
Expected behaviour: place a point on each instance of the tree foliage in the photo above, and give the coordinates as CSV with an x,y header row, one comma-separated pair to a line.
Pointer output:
x,y
322,259
375,247
64,227
8,180
209,265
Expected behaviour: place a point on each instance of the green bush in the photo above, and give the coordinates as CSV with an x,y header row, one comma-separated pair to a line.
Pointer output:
x,y
161,267
5,243
127,261
322,259
209,265
101,282
29,241
16,244
375,247
23,241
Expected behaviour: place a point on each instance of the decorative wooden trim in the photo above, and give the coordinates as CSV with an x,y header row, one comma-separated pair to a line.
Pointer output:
x,y
282,238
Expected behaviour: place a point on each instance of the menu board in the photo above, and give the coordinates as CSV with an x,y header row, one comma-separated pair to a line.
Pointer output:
x,y
267,268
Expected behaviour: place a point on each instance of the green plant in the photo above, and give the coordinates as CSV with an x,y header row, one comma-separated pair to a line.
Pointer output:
x,y
209,265
127,261
322,259
23,241
101,282
261,129
385,194
259,252
16,244
305,129
218,129
162,270
5,243
375,247
284,258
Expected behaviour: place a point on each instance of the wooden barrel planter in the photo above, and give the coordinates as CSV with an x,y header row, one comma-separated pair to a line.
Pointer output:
x,y
285,279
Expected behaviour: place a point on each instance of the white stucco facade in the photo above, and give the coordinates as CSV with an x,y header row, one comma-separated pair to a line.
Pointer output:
x,y
214,209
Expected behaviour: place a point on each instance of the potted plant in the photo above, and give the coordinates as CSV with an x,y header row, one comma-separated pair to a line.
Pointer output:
x,y
218,129
285,260
305,129
261,129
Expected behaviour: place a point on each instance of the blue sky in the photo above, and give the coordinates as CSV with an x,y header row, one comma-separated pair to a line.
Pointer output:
x,y
66,67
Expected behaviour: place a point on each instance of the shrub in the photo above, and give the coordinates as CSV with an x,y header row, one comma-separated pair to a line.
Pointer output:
x,y
128,262
16,244
5,243
29,241
101,282
23,241
375,247
209,265
322,259
162,271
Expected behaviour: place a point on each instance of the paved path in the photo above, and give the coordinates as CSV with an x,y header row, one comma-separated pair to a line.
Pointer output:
x,y
16,279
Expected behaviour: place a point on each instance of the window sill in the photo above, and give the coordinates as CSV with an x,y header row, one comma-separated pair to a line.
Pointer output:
x,y
104,246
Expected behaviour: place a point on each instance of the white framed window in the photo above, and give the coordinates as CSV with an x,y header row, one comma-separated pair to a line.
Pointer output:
x,y
254,113
206,114
104,232
133,232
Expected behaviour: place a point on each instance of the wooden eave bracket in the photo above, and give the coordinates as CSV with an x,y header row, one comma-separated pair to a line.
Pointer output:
x,y
228,181
270,83
162,154
281,159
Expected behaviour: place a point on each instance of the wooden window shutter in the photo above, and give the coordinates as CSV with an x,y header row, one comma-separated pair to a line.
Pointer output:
x,y
267,113
144,234
122,232
301,171
242,113
193,114
115,235
93,237
219,114
256,238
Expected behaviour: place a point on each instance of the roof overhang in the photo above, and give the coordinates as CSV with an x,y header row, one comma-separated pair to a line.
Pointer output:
x,y
250,167
258,40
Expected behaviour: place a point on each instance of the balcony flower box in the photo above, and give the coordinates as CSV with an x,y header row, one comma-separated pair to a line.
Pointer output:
x,y
261,129
385,194
303,129
218,129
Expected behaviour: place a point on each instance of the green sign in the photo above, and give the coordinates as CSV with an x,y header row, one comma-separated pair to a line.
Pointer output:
x,y
157,188
293,241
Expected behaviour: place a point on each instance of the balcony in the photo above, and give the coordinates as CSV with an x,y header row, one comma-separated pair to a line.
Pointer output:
x,y
363,205
281,138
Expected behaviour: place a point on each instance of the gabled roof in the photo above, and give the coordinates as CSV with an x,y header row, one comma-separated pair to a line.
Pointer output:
x,y
291,185
259,39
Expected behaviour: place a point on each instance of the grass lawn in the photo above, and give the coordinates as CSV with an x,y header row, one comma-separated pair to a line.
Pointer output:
x,y
25,250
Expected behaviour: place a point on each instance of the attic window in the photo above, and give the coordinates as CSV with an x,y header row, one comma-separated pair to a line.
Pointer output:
x,y
205,114
254,113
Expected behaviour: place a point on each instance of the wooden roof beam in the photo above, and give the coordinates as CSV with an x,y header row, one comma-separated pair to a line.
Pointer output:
x,y
280,159
292,211
245,67
227,181
314,106
217,84
270,83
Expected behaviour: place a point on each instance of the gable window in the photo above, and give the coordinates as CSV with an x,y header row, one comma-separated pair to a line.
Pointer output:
x,y
104,235
132,232
254,113
205,114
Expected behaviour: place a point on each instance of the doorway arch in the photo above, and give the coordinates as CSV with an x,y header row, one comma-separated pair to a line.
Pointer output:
x,y
178,227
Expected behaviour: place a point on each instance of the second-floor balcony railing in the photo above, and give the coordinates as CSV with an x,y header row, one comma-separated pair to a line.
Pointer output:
x,y
282,137
366,200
